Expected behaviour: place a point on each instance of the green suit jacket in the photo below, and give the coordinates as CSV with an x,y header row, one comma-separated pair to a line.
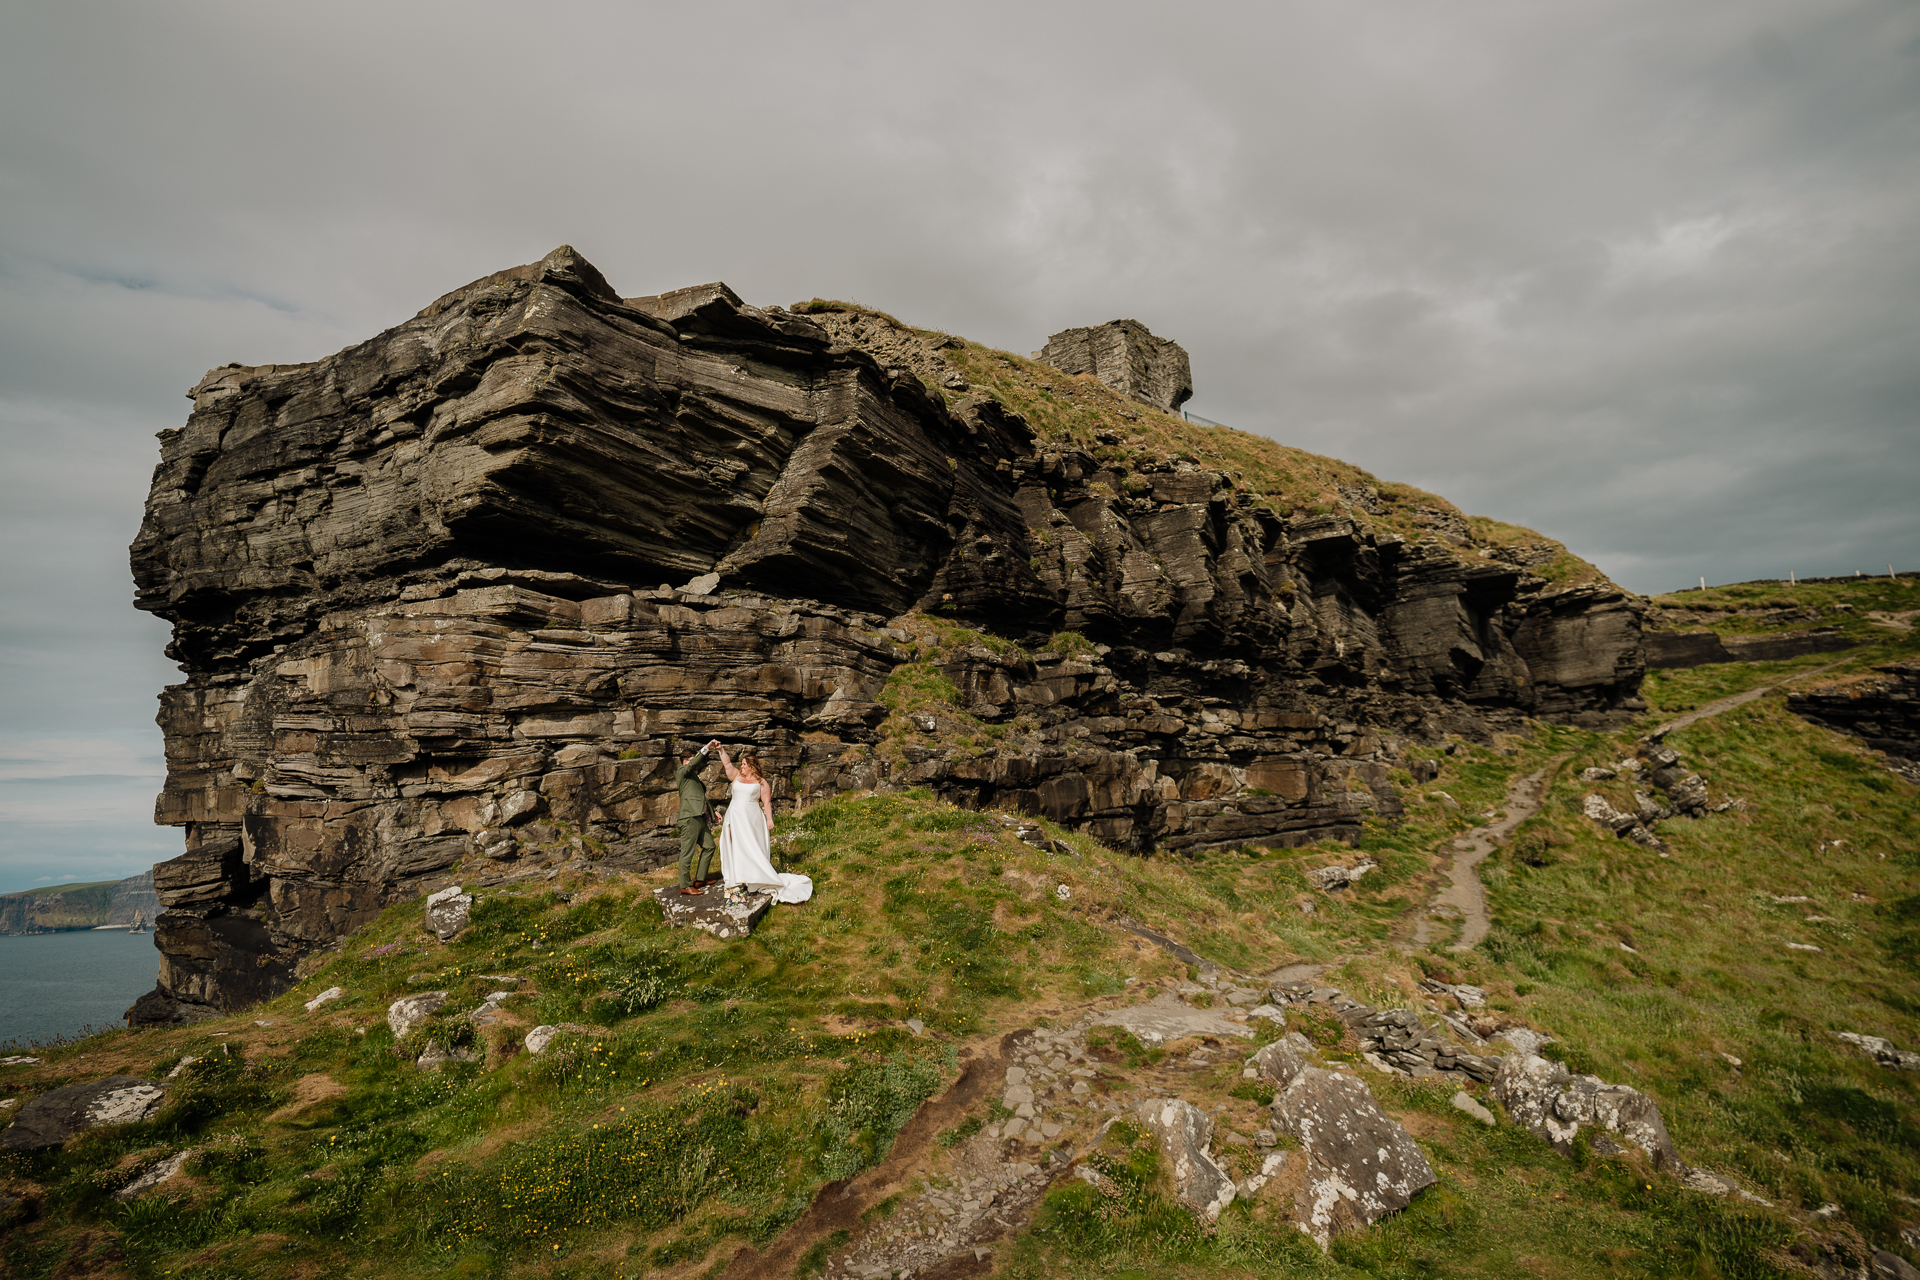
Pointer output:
x,y
693,792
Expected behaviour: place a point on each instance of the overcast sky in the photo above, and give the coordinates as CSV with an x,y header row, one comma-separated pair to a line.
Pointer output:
x,y
1640,275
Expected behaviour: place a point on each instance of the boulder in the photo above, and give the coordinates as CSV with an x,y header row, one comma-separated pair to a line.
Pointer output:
x,y
1278,1063
715,911
1360,1164
448,912
1556,1104
53,1117
1464,1101
409,1011
1185,1133
156,1175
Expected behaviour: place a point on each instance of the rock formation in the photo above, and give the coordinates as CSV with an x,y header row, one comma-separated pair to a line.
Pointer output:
x,y
1881,710
1123,355
423,595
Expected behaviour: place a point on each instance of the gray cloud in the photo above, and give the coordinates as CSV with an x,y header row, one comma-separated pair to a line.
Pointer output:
x,y
1637,275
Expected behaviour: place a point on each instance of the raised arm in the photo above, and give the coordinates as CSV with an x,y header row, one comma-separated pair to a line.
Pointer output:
x,y
726,762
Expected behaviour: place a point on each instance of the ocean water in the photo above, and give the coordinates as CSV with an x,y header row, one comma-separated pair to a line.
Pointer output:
x,y
55,984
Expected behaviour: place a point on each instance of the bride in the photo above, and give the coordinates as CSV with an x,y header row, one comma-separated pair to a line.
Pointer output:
x,y
745,856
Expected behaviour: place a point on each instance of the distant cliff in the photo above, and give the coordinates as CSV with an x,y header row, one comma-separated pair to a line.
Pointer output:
x,y
81,906
450,598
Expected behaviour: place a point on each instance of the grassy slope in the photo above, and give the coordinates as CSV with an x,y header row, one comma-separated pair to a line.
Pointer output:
x,y
720,1084
1076,410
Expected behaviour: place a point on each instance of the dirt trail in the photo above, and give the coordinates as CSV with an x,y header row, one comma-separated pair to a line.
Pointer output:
x,y
1464,892
1736,700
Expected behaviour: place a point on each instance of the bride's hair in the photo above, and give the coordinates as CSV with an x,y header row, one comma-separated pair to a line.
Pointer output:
x,y
750,763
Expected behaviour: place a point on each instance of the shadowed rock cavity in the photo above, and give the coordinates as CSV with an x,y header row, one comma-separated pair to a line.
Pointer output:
x,y
425,593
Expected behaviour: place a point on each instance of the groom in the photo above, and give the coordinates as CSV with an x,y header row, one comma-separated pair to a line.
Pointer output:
x,y
696,837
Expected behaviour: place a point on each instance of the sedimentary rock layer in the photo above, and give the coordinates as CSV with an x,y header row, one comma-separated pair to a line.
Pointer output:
x,y
423,592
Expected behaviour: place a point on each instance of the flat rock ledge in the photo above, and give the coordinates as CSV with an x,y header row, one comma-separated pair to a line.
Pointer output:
x,y
712,912
53,1117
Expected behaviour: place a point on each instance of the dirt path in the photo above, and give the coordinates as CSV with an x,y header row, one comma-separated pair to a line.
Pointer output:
x,y
1736,700
1464,892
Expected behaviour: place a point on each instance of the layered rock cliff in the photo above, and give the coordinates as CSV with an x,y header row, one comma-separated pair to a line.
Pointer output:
x,y
128,903
449,598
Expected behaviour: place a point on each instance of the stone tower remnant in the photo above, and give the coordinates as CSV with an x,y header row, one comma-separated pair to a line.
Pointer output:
x,y
1126,357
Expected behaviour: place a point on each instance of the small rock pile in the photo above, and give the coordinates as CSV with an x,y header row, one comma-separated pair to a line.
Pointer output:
x,y
1660,767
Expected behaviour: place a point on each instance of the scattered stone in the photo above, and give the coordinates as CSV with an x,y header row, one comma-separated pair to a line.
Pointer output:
x,y
448,912
1801,946
331,993
1062,892
1184,1132
916,1026
1335,878
1713,1184
1360,1163
1464,1101
1279,1062
180,1067
1596,774
539,1038
1882,1051
1525,1039
153,1177
53,1117
19,1060
437,1056
1555,1104
409,1011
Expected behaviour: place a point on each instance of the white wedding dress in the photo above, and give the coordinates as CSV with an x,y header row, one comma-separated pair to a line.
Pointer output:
x,y
744,851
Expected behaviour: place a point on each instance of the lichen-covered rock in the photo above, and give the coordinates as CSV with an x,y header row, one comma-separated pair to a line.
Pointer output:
x,y
448,912
422,591
1278,1063
1185,1134
1359,1163
408,1012
53,1117
1556,1104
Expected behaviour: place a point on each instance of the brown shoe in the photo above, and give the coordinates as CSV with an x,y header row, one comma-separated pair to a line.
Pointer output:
x,y
691,892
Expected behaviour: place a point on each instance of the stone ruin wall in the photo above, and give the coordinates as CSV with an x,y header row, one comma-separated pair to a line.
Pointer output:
x,y
423,599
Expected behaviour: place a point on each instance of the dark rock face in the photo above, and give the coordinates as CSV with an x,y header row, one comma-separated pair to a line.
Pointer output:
x,y
1122,354
1883,711
416,591
1671,649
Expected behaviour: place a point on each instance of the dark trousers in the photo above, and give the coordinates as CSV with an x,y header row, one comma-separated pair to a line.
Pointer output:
x,y
696,838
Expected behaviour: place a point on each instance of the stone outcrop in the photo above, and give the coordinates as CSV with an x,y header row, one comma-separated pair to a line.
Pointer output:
x,y
1360,1164
53,1117
1124,356
1882,711
424,595
1673,649
1554,1103
1185,1135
